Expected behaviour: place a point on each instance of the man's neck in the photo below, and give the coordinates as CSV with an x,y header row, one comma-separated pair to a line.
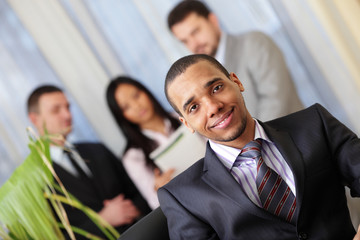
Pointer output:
x,y
58,140
247,136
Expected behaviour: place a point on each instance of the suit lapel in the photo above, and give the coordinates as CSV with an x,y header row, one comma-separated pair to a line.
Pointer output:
x,y
218,177
95,179
292,156
72,183
84,187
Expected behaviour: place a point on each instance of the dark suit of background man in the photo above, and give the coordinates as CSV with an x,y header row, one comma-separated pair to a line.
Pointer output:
x,y
310,150
97,177
270,91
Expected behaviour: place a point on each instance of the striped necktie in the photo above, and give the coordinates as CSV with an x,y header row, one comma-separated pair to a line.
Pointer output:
x,y
275,195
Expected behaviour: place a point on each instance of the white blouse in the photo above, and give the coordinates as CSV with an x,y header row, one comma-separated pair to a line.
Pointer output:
x,y
141,174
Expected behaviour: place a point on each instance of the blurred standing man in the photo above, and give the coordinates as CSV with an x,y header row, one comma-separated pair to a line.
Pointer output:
x,y
89,171
253,56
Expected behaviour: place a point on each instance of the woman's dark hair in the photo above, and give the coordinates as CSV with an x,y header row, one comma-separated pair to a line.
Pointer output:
x,y
134,136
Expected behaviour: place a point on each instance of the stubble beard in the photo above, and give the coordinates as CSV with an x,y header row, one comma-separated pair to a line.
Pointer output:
x,y
237,134
215,48
213,51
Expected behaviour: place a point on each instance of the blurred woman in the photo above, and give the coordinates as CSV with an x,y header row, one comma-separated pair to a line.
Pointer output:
x,y
146,125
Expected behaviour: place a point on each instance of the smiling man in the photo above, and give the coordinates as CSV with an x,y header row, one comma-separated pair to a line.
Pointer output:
x,y
282,179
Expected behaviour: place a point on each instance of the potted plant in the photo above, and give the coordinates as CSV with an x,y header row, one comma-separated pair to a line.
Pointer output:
x,y
31,200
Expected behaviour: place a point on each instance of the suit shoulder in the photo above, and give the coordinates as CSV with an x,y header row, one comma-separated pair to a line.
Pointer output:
x,y
89,145
256,34
310,116
253,37
309,110
189,176
94,150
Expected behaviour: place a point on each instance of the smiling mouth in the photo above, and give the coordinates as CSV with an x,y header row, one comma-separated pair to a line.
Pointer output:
x,y
223,122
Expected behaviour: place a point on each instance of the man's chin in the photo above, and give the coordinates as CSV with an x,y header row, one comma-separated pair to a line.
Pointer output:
x,y
227,139
237,134
66,131
202,51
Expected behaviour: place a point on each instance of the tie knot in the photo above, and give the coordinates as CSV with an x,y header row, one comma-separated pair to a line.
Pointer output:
x,y
251,150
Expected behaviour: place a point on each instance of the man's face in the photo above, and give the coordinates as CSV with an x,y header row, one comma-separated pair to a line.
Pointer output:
x,y
200,35
54,112
211,104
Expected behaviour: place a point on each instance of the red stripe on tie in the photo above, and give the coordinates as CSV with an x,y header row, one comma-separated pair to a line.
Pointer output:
x,y
260,162
263,181
291,212
282,201
250,149
272,192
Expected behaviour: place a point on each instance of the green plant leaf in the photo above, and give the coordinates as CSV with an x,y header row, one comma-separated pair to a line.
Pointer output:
x,y
28,197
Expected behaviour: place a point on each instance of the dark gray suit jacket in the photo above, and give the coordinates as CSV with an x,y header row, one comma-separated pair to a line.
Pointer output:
x,y
206,202
109,180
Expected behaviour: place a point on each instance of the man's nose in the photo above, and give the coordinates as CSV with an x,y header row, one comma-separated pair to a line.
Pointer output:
x,y
192,44
213,106
66,113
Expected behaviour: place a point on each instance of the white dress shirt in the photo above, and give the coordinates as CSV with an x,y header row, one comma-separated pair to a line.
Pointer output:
x,y
245,174
59,157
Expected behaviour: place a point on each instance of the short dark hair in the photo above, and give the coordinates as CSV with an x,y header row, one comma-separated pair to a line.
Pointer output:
x,y
184,8
182,64
33,99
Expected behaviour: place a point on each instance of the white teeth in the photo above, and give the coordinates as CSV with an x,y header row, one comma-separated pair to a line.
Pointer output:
x,y
222,121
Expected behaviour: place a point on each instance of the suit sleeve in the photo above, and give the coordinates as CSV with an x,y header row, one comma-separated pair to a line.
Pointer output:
x,y
181,223
129,189
276,91
345,147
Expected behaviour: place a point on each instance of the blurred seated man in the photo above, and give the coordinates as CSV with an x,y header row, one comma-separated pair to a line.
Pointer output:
x,y
89,171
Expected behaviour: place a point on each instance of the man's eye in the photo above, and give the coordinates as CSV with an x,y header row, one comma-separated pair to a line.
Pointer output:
x,y
217,88
192,108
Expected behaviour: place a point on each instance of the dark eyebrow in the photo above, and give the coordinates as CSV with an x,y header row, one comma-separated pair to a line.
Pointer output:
x,y
211,82
187,103
206,85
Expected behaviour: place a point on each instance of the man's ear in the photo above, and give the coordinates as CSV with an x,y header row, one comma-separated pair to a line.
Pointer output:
x,y
33,118
236,80
214,20
182,119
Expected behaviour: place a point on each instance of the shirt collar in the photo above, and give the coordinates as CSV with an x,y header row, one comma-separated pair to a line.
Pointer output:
x,y
220,52
228,155
57,152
